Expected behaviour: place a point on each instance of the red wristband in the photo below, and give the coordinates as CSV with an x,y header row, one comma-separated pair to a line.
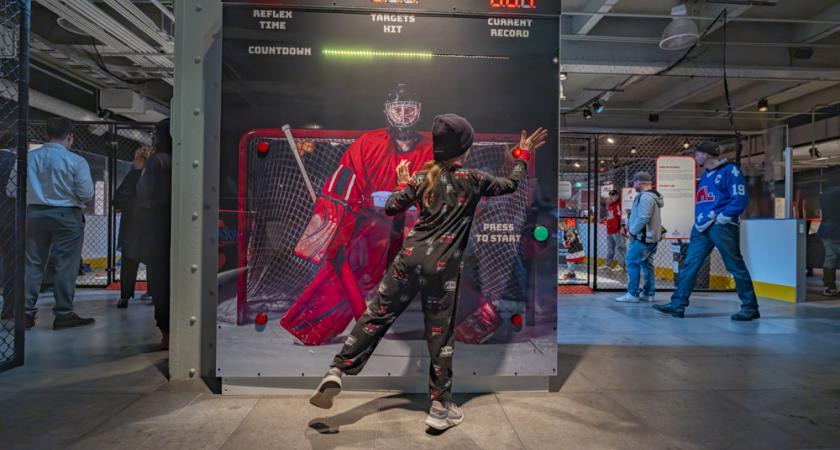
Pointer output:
x,y
401,186
519,153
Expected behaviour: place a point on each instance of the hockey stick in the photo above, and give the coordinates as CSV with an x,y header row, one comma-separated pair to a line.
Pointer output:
x,y
288,132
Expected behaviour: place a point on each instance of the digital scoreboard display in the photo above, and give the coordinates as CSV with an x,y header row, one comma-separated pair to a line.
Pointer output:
x,y
514,4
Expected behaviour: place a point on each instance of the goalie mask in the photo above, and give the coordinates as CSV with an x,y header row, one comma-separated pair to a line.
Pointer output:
x,y
402,110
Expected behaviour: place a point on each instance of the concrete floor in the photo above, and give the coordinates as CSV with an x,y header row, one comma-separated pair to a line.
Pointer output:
x,y
628,378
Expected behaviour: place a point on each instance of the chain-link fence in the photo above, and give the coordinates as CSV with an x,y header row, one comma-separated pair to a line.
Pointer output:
x,y
14,87
592,223
575,209
619,157
109,150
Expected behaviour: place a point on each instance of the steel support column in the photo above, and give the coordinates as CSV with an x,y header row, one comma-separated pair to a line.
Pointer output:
x,y
195,176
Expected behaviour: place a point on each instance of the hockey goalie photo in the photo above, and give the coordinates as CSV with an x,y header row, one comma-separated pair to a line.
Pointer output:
x,y
318,240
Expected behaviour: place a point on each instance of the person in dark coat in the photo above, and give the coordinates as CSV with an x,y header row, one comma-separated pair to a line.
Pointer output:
x,y
154,196
128,241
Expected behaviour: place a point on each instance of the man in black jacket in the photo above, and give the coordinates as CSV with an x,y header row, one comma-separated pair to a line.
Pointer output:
x,y
830,232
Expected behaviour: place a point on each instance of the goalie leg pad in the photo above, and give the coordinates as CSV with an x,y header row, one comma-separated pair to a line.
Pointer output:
x,y
321,313
479,325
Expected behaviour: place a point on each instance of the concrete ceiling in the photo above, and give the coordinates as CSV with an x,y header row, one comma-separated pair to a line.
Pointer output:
x,y
91,45
610,52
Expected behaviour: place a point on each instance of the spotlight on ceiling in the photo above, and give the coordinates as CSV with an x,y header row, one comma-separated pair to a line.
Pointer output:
x,y
563,76
598,107
763,105
577,165
587,114
686,145
653,118
633,150
611,140
681,33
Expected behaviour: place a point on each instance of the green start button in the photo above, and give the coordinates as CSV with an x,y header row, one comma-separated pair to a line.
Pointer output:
x,y
541,233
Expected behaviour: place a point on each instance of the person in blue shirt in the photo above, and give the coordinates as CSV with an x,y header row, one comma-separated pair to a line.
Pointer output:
x,y
58,184
720,200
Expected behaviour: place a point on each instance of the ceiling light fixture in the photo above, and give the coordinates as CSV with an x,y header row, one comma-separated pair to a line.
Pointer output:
x,y
633,150
587,114
686,145
763,105
597,107
681,33
611,140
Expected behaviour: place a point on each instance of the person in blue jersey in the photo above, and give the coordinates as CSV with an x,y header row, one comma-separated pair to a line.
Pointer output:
x,y
720,200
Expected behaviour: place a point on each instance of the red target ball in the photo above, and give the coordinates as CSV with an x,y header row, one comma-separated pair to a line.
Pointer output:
x,y
262,319
516,320
262,147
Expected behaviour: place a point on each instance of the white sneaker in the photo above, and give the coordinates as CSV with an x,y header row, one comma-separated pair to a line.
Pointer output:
x,y
617,268
329,387
646,298
627,298
442,416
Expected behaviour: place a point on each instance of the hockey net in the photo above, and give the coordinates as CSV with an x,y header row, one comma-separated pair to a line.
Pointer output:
x,y
275,207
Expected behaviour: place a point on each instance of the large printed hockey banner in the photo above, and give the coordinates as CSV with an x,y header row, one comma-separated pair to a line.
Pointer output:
x,y
318,109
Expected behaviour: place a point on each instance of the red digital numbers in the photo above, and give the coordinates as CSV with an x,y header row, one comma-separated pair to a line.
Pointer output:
x,y
512,4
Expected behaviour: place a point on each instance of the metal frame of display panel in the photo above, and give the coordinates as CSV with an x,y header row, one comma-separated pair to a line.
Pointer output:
x,y
194,207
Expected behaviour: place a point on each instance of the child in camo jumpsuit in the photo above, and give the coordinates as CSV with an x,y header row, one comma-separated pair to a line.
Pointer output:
x,y
430,261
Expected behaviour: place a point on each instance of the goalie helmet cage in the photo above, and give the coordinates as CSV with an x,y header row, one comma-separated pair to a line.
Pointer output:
x,y
274,207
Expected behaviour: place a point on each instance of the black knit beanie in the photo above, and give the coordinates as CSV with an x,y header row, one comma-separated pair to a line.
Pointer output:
x,y
452,136
708,147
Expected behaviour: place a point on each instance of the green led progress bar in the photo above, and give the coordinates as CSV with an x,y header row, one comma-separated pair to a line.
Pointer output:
x,y
381,54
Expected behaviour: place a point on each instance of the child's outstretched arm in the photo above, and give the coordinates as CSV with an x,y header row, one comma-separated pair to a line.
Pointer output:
x,y
490,185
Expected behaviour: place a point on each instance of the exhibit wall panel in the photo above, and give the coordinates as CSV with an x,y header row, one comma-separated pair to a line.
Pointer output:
x,y
318,108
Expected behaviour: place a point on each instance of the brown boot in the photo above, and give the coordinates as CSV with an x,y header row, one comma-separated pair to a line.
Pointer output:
x,y
164,342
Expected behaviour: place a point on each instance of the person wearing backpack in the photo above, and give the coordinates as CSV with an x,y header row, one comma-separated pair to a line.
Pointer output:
x,y
644,228
721,198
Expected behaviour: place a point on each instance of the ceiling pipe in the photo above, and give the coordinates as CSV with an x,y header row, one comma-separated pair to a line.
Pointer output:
x,y
46,103
140,20
105,29
163,9
732,19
